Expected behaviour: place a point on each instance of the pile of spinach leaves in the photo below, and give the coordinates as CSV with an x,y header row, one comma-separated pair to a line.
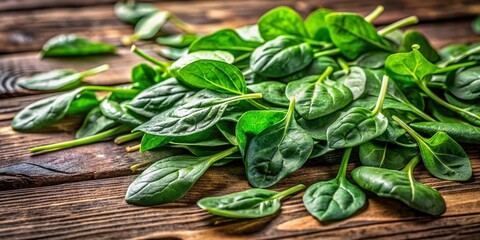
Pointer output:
x,y
276,95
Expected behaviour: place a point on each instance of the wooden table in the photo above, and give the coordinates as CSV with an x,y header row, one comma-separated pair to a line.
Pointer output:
x,y
78,193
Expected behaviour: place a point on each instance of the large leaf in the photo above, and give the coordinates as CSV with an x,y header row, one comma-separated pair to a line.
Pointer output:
x,y
281,21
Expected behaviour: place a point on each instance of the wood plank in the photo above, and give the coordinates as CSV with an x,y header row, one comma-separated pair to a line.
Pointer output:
x,y
16,66
99,22
96,209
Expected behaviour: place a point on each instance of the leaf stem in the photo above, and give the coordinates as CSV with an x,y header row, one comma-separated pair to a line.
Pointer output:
x,y
243,97
149,58
454,67
133,148
257,105
440,101
412,164
398,24
343,64
128,137
247,72
324,45
180,24
111,89
325,74
329,52
242,57
407,128
135,167
373,15
436,85
459,56
82,141
94,71
342,171
288,192
221,155
381,96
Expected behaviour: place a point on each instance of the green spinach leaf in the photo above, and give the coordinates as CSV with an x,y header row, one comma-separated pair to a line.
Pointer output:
x,y
74,46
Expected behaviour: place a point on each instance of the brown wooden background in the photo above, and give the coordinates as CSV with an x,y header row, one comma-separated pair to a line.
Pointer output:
x,y
78,193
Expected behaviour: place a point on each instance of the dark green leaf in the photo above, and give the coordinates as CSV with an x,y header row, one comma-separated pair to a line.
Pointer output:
x,y
277,151
94,123
281,21
461,132
224,40
401,186
280,57
272,92
385,155
410,68
71,45
118,112
150,141
316,25
413,37
465,84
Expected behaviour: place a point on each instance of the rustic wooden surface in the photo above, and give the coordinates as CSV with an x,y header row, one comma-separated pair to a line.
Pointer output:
x,y
78,193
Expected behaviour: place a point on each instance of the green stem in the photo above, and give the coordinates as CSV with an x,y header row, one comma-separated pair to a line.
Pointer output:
x,y
409,130
436,85
373,15
440,101
343,64
398,24
180,24
342,171
325,74
149,58
323,45
329,52
288,192
381,96
140,165
133,148
257,105
420,113
111,89
83,141
454,67
243,97
242,57
128,137
94,71
247,72
221,155
459,56
412,164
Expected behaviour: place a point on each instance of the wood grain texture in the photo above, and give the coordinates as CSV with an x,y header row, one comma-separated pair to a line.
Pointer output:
x,y
99,22
96,209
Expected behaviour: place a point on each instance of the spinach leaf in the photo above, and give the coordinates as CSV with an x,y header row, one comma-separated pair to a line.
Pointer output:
x,y
272,92
192,117
277,151
172,53
170,179
159,97
251,203
316,25
409,68
44,112
148,26
59,80
386,155
83,103
250,33
214,75
201,55
227,128
353,35
449,52
280,57
335,199
372,60
144,76
317,127
281,21
150,141
131,12
359,125
224,40
460,132
443,157
319,97
72,46
402,186
412,37
254,122
94,123
465,84
355,81
118,112
177,41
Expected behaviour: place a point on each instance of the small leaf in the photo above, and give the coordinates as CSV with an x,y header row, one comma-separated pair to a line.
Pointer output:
x,y
71,45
